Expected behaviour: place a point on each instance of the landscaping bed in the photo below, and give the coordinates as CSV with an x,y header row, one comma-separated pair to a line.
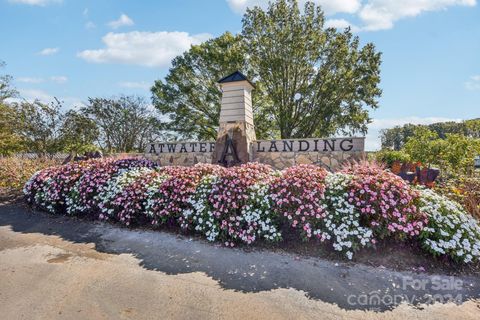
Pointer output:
x,y
360,209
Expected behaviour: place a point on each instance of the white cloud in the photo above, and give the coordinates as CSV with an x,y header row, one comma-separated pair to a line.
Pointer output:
x,y
31,95
40,3
35,94
135,85
340,24
473,83
90,25
372,141
382,14
59,79
30,80
122,21
48,51
373,14
151,49
329,6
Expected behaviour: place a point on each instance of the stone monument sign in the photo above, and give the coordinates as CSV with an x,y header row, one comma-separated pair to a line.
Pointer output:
x,y
236,140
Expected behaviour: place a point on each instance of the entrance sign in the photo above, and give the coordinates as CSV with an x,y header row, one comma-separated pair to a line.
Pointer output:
x,y
236,140
310,145
181,147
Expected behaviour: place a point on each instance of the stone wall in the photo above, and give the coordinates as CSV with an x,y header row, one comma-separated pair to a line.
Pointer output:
x,y
180,159
279,160
331,161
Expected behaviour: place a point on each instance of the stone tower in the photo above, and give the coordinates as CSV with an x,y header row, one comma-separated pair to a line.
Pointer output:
x,y
236,131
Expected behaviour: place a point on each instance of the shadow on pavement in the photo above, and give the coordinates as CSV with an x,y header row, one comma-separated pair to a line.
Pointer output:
x,y
349,286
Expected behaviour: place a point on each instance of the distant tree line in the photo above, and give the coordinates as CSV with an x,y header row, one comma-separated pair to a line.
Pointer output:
x,y
396,137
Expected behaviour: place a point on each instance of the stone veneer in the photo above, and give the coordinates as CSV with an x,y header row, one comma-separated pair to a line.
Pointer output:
x,y
279,160
180,159
331,161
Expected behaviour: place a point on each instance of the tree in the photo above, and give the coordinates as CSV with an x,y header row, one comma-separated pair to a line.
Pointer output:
x,y
319,81
424,146
126,123
309,81
190,97
10,141
6,89
454,154
38,124
459,151
396,137
78,132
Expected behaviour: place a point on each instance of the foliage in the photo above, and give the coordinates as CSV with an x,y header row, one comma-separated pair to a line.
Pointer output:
x,y
39,124
454,154
169,197
6,89
44,129
190,96
10,140
297,196
78,132
389,157
234,206
310,81
126,124
318,80
342,224
15,172
386,201
450,231
424,146
396,137
84,197
464,190
252,202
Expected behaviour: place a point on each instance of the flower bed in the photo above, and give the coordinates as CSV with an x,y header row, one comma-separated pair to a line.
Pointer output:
x,y
348,210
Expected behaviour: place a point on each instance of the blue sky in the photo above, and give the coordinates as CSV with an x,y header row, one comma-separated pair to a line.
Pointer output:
x,y
76,49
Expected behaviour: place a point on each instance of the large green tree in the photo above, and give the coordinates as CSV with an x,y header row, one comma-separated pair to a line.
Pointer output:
x,y
320,81
189,95
310,81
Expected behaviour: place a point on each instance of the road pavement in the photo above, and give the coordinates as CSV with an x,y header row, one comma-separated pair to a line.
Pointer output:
x,y
55,267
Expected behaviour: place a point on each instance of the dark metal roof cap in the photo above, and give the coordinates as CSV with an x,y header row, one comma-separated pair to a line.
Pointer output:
x,y
236,76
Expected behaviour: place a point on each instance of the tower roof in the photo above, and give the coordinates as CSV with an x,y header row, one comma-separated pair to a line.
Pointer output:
x,y
236,76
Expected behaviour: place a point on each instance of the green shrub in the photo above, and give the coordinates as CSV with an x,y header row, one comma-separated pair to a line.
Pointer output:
x,y
388,156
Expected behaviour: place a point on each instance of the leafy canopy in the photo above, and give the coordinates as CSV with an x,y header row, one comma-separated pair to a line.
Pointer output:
x,y
126,123
318,80
310,81
190,97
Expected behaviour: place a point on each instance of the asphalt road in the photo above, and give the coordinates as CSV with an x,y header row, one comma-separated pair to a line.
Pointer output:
x,y
55,267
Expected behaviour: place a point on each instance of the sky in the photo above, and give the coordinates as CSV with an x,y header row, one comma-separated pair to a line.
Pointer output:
x,y
73,49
